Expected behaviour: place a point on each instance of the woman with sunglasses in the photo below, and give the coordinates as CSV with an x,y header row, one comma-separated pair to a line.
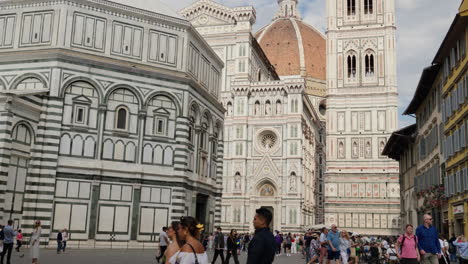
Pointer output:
x,y
175,244
192,252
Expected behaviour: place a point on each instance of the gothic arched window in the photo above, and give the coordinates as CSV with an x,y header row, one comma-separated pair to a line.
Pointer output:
x,y
369,61
351,7
351,65
368,7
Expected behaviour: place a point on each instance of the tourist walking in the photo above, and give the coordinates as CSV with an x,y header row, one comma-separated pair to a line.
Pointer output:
x,y
2,236
323,244
279,241
345,245
262,246
163,242
246,242
333,239
314,249
307,240
59,242
192,252
35,241
64,239
19,241
8,239
462,244
294,245
232,247
218,246
452,248
444,246
407,247
288,244
392,255
174,242
428,240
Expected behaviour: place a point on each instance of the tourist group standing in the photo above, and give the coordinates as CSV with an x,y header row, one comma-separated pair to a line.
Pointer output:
x,y
185,244
8,235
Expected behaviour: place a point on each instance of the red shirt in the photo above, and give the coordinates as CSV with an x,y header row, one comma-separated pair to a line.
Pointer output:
x,y
409,249
19,236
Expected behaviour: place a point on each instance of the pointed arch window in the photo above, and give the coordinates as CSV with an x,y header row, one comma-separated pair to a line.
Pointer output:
x,y
351,65
351,7
369,64
368,7
121,120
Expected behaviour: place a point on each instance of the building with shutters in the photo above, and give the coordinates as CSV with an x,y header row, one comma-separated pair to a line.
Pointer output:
x,y
274,133
402,148
426,105
452,56
110,121
440,146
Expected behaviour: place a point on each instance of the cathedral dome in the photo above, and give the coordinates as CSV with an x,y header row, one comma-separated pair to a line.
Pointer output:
x,y
292,46
154,6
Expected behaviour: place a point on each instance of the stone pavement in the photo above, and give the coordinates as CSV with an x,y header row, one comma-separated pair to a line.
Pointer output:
x,y
117,256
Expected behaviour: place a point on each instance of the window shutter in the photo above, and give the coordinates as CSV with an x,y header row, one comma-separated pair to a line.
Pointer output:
x,y
461,97
458,183
446,185
462,136
466,178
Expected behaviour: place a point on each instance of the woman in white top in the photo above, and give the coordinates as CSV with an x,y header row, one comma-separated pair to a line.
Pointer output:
x,y
345,244
175,244
35,242
192,252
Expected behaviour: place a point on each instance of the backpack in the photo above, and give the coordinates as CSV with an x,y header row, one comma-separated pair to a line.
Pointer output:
x,y
403,242
2,235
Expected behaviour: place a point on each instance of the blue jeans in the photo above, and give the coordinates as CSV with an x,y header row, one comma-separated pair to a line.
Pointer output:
x,y
453,257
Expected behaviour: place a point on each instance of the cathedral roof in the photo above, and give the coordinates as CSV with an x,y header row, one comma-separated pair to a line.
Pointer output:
x,y
293,46
154,6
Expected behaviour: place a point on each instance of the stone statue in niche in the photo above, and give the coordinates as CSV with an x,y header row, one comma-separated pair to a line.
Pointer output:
x,y
267,109
368,149
278,108
340,150
355,149
292,184
237,183
257,109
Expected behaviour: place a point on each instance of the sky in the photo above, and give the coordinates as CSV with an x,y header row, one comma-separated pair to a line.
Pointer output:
x,y
421,27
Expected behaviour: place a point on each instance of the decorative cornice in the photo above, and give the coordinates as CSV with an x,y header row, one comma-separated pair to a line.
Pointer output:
x,y
122,11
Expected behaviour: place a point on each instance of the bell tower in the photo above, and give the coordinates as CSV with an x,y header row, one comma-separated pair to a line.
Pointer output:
x,y
362,191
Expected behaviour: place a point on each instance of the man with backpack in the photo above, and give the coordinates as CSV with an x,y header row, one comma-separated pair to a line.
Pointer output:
x,y
407,247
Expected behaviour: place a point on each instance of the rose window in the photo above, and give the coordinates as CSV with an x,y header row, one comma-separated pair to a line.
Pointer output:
x,y
268,140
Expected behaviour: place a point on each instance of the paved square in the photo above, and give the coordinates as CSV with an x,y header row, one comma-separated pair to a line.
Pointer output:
x,y
117,256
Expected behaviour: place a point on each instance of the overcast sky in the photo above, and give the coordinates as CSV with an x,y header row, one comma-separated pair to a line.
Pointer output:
x,y
422,25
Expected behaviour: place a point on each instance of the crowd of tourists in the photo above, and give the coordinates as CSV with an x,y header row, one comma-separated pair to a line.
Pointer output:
x,y
183,243
421,245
